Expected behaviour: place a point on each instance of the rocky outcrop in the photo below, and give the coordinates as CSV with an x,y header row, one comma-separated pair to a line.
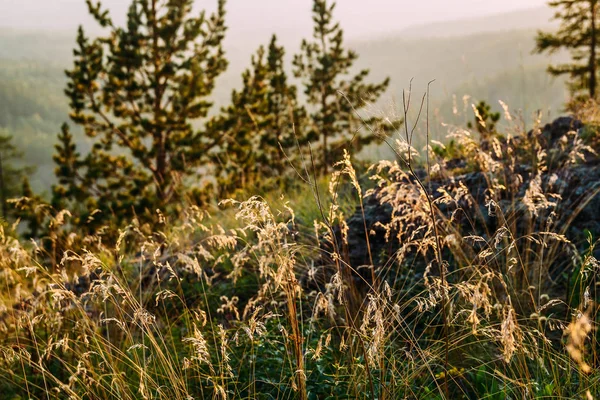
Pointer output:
x,y
564,172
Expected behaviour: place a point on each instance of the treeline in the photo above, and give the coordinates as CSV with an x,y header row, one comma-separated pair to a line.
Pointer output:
x,y
139,91
141,95
32,66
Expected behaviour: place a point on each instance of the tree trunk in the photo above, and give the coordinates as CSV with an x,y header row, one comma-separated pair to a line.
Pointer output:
x,y
325,154
593,51
159,136
324,133
324,106
161,170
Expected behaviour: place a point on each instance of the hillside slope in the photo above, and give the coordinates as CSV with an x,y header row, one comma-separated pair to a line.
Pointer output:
x,y
538,18
486,66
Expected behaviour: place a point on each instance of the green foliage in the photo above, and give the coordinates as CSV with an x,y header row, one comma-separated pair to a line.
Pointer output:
x,y
579,34
452,150
262,126
590,134
323,66
11,175
485,120
71,185
29,211
135,92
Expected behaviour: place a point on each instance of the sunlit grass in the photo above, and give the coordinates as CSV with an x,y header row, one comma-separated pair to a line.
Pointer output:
x,y
258,299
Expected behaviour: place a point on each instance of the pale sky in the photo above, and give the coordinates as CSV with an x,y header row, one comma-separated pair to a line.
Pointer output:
x,y
289,18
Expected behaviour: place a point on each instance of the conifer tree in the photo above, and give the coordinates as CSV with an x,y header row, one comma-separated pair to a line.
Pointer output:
x,y
28,212
578,33
485,120
259,125
324,66
135,93
11,175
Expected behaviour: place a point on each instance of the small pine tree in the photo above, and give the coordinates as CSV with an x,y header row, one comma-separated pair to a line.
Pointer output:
x,y
485,120
323,65
74,186
578,33
259,125
11,175
135,92
30,210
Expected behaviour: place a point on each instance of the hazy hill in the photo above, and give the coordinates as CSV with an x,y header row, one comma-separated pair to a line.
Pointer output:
x,y
538,17
44,46
488,66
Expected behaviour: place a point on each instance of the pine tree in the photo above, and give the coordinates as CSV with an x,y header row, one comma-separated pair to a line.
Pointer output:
x,y
30,209
284,137
324,66
259,125
11,175
579,34
485,120
135,93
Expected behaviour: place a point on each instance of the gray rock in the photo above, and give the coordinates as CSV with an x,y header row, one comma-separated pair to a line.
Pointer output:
x,y
578,211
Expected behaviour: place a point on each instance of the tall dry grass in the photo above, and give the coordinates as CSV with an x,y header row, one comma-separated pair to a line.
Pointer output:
x,y
480,293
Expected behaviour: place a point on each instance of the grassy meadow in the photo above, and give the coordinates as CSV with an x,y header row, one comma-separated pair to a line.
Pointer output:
x,y
473,292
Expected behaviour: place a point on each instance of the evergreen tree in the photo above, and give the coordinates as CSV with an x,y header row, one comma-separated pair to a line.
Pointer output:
x,y
324,66
135,93
11,176
28,210
485,120
579,34
259,125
